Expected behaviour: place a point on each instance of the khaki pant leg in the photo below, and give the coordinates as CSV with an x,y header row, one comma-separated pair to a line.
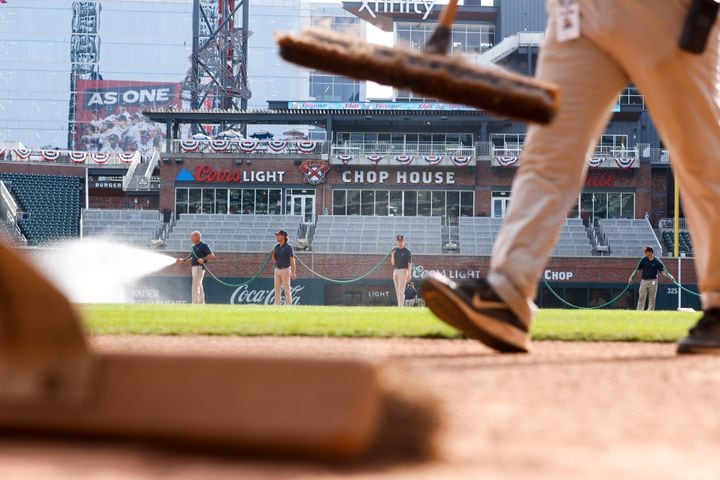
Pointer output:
x,y
681,91
652,294
553,164
285,278
277,283
642,294
400,282
198,292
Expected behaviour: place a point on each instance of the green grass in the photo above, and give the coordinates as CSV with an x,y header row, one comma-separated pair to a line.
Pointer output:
x,y
381,322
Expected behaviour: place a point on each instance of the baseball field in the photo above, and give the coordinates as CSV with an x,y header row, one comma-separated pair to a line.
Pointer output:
x,y
602,395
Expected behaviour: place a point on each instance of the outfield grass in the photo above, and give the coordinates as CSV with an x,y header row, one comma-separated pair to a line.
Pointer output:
x,y
381,322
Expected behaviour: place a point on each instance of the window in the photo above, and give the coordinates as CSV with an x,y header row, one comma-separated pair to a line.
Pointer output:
x,y
275,202
410,204
423,203
235,200
339,207
404,203
261,202
208,200
353,202
367,202
221,200
181,200
195,201
248,201
381,203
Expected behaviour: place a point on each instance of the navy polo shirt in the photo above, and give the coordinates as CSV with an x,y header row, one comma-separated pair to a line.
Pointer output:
x,y
403,257
650,268
282,255
199,250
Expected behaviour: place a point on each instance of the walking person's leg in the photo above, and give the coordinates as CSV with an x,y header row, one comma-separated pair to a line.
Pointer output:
x,y
552,170
642,294
682,94
277,283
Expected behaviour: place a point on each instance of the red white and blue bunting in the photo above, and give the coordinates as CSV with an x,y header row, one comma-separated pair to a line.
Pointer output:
x,y
461,160
100,157
374,158
189,145
595,162
22,153
276,145
126,157
345,158
404,159
50,155
305,146
248,146
433,159
220,145
506,161
624,162
77,157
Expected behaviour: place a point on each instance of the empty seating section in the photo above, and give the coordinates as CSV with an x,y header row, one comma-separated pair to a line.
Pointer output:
x,y
132,227
477,236
232,233
52,204
686,244
627,237
376,235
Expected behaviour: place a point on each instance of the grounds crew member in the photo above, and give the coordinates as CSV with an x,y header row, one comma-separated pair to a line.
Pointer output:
x,y
591,51
650,266
401,259
199,256
285,267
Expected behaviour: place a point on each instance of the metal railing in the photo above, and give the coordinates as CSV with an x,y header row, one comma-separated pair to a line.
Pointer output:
x,y
386,148
251,147
70,157
603,156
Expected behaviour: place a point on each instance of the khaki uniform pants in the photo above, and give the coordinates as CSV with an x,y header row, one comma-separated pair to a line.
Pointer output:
x,y
400,282
282,280
621,41
198,292
648,290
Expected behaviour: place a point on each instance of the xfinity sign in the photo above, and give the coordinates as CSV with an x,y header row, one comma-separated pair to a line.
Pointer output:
x,y
421,7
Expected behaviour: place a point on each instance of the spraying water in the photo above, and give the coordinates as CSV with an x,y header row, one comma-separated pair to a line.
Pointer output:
x,y
99,270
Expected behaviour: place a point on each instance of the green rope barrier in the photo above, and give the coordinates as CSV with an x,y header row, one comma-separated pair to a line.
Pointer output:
x,y
351,280
683,288
572,305
207,269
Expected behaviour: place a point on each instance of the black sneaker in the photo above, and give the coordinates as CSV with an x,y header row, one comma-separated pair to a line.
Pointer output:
x,y
704,337
473,307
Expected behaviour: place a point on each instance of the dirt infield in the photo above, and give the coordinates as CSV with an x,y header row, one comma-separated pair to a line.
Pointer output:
x,y
566,411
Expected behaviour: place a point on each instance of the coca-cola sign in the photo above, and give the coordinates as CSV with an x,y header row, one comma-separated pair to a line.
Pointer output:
x,y
244,294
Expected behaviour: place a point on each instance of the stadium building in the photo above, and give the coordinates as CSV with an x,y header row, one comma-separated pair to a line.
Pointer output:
x,y
344,175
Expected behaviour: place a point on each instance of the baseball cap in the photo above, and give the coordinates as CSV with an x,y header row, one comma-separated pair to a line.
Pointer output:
x,y
400,237
649,249
281,232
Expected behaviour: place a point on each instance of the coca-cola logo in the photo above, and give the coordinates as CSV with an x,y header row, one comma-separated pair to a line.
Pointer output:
x,y
605,179
245,295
